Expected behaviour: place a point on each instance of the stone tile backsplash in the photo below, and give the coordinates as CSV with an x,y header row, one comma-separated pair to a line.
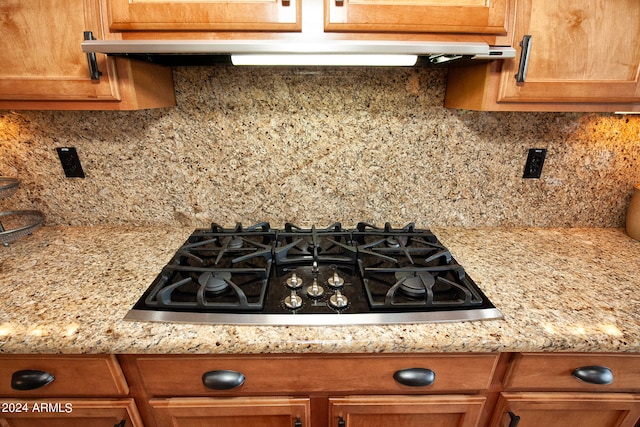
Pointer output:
x,y
315,146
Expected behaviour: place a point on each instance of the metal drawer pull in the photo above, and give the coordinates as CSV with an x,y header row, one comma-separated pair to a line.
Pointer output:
x,y
297,423
514,419
594,374
30,379
341,422
415,377
94,72
222,380
524,59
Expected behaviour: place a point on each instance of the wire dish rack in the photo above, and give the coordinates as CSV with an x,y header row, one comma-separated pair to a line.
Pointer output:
x,y
15,224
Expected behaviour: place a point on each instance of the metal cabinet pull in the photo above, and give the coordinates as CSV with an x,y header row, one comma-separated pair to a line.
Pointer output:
x,y
94,73
594,374
341,422
222,379
525,44
297,423
514,419
415,377
120,424
30,379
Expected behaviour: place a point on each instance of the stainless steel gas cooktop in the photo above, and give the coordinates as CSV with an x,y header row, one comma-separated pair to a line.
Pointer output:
x,y
258,275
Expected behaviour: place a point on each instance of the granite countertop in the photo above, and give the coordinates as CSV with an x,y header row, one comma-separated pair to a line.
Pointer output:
x,y
67,289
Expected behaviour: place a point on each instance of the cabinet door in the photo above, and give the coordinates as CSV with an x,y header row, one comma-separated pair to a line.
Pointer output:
x,y
231,412
432,16
254,15
581,51
567,410
69,413
41,54
406,411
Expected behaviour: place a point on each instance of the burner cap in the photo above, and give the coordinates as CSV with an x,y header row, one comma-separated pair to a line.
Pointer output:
x,y
235,243
415,284
215,282
396,242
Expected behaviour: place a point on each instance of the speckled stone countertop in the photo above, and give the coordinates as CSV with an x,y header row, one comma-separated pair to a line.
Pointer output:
x,y
67,289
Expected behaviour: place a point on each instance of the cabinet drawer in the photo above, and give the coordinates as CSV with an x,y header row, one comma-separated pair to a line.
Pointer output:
x,y
555,372
183,375
82,375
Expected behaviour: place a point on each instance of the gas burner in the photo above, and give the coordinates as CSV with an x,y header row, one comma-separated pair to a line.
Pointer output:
x,y
415,284
302,246
396,242
215,282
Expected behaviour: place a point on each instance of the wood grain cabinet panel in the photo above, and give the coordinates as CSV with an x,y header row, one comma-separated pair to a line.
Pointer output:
x,y
406,411
74,375
70,413
205,15
555,372
418,16
43,66
64,390
545,389
182,375
567,410
580,59
232,412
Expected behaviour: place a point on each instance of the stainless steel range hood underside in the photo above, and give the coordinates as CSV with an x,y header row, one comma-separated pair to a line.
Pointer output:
x,y
203,52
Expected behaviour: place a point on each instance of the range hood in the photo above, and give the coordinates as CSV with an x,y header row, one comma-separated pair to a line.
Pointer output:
x,y
297,52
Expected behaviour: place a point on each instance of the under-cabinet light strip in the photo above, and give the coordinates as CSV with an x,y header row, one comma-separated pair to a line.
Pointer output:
x,y
326,60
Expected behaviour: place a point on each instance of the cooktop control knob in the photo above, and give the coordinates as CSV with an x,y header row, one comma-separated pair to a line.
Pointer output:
x,y
293,301
335,281
315,290
294,282
338,300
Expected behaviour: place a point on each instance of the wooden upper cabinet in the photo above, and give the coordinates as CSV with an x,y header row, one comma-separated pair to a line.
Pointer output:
x,y
582,57
418,16
205,15
41,55
43,66
581,51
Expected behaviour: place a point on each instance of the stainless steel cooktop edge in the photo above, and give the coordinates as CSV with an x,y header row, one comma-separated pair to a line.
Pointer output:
x,y
337,319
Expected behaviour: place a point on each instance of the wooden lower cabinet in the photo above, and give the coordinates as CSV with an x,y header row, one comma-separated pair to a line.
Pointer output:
x,y
570,390
567,410
69,413
313,390
406,411
65,390
232,411
323,390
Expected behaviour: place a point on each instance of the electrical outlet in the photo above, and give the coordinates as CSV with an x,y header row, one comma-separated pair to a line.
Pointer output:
x,y
535,161
70,162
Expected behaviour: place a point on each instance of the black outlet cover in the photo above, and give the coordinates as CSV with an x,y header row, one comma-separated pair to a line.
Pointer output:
x,y
535,161
70,162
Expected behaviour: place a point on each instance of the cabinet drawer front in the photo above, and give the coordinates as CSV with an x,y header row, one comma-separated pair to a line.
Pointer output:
x,y
98,375
182,375
555,372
